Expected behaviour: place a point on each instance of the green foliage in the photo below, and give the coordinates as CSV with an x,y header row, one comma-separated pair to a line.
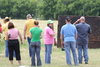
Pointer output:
x,y
55,8
17,8
49,9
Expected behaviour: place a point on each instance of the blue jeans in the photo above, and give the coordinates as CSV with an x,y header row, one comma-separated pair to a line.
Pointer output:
x,y
83,49
35,47
29,41
71,46
6,49
48,51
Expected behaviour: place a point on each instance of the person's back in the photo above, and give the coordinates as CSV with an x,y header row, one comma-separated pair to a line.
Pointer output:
x,y
69,35
82,41
69,32
83,32
29,24
83,29
5,25
4,30
35,44
13,33
13,42
35,34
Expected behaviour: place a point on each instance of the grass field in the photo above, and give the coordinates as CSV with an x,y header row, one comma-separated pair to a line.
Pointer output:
x,y
58,56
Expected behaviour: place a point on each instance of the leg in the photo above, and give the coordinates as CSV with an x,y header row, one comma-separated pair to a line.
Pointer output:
x,y
48,53
85,53
38,48
10,49
17,51
33,56
79,53
67,51
45,53
11,54
6,48
73,48
29,40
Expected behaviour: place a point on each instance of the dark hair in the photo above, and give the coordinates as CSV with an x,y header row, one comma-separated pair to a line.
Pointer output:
x,y
6,20
36,23
50,26
10,25
68,19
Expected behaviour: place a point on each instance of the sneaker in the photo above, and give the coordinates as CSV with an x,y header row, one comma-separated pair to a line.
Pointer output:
x,y
63,49
86,62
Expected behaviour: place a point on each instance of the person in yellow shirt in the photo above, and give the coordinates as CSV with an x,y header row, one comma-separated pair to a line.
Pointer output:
x,y
4,30
28,25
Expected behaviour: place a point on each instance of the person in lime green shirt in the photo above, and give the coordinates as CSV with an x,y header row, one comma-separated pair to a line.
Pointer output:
x,y
35,34
35,44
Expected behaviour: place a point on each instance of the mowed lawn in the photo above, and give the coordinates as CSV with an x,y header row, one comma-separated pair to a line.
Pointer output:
x,y
58,56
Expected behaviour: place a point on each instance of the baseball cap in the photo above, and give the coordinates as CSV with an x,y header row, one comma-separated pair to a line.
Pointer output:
x,y
6,18
49,21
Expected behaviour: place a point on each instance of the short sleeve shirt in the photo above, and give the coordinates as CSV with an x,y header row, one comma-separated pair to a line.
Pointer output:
x,y
35,34
68,31
48,39
29,24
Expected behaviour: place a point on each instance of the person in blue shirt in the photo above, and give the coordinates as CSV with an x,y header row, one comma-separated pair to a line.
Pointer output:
x,y
68,37
84,30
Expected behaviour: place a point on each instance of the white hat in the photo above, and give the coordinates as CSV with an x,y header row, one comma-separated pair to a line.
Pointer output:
x,y
6,18
49,21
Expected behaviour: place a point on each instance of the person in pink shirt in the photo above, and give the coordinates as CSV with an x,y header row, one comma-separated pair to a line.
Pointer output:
x,y
0,28
48,41
13,43
0,31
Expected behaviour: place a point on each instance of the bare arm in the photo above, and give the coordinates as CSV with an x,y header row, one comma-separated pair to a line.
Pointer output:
x,y
77,21
52,34
6,35
62,42
20,36
25,31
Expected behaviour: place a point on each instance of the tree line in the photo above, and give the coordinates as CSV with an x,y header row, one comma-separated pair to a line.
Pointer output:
x,y
48,9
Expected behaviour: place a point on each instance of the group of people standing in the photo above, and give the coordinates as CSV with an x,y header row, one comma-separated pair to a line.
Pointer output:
x,y
33,34
75,36
70,35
